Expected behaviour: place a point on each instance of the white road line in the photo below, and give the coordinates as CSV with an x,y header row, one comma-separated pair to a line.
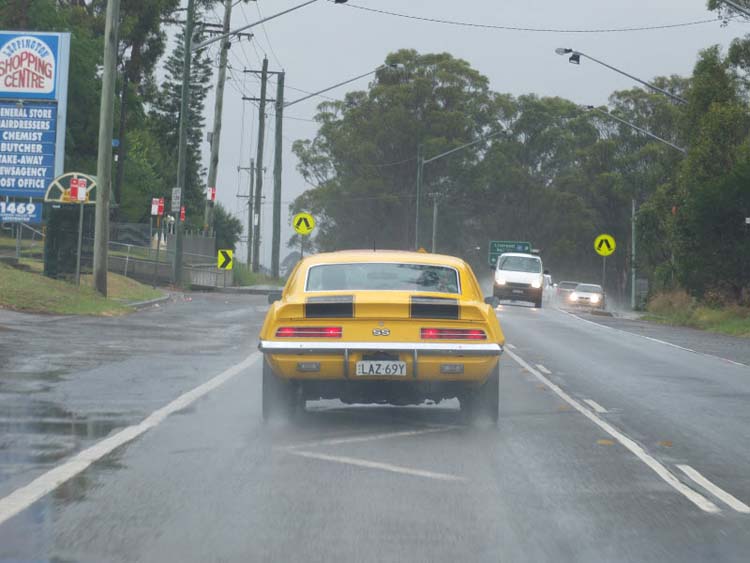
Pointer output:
x,y
543,369
655,340
509,345
367,438
596,406
22,498
378,465
696,498
718,492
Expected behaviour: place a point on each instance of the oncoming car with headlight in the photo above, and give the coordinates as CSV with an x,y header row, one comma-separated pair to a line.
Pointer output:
x,y
381,327
587,295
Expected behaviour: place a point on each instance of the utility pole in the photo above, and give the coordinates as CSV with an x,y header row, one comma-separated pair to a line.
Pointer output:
x,y
276,239
182,139
213,165
632,256
250,214
434,220
259,164
420,171
104,153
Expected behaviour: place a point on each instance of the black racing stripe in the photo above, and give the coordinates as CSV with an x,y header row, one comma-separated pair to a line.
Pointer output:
x,y
330,307
434,308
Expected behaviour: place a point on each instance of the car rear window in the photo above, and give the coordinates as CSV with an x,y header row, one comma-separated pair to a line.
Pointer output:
x,y
520,264
382,276
589,288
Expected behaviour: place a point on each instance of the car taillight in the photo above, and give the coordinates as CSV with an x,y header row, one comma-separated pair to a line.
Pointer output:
x,y
453,334
309,332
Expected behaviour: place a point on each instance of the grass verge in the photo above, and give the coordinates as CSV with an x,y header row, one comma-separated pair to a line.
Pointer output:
x,y
244,276
34,293
678,309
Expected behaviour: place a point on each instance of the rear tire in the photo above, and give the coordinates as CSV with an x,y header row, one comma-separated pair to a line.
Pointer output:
x,y
538,303
279,397
485,401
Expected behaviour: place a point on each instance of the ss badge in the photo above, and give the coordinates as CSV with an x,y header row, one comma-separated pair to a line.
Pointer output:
x,y
381,332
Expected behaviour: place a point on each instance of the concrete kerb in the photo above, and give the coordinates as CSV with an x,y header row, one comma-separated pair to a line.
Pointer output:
x,y
249,290
143,304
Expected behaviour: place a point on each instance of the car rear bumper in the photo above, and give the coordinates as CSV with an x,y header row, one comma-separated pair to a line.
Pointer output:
x,y
517,293
424,361
461,349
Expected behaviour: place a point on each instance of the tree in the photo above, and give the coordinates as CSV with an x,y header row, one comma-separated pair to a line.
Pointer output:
x,y
228,228
165,118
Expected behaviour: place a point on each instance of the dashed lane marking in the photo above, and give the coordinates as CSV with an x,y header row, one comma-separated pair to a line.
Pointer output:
x,y
596,406
511,346
693,496
377,465
22,498
543,369
715,490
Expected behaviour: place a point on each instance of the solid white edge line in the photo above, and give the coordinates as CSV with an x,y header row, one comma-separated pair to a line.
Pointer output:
x,y
378,465
511,346
718,492
596,406
696,498
22,498
652,339
543,369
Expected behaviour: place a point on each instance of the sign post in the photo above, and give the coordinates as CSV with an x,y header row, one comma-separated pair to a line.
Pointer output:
x,y
604,245
303,224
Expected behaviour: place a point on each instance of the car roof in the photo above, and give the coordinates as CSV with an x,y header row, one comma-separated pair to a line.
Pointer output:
x,y
523,254
596,285
344,256
569,282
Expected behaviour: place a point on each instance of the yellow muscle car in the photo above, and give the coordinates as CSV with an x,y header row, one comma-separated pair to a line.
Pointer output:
x,y
381,327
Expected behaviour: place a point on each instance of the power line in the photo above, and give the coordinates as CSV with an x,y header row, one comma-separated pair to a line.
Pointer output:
x,y
531,29
263,26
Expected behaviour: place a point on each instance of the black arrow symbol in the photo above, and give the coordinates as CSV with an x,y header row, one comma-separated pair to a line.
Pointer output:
x,y
227,259
604,242
302,220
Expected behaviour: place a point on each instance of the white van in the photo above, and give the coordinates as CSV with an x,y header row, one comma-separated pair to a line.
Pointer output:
x,y
519,277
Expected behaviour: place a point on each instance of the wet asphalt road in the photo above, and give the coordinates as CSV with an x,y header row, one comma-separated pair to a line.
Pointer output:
x,y
212,483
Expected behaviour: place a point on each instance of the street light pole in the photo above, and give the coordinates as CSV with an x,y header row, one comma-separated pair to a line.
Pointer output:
x,y
639,129
421,161
736,7
575,58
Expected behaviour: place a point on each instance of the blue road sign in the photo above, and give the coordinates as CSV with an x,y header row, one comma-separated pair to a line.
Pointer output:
x,y
27,148
20,212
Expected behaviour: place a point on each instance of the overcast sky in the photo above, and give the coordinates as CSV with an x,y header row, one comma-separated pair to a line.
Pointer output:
x,y
323,44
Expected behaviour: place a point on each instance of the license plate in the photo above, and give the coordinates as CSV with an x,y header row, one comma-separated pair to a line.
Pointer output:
x,y
381,368
518,291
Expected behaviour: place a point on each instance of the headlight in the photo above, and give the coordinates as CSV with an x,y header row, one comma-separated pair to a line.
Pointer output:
x,y
536,284
499,280
595,299
574,296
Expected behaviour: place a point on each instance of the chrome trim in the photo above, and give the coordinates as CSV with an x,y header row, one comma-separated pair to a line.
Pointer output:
x,y
452,348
